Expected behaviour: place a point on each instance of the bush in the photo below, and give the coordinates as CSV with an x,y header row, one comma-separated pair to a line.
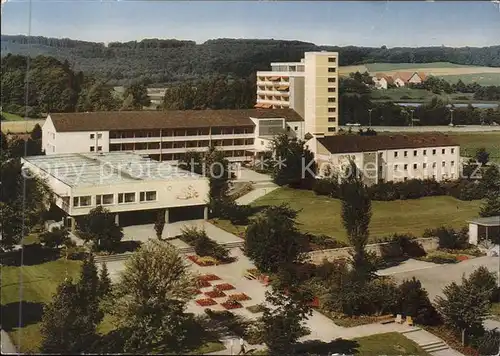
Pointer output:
x,y
464,189
203,245
323,242
488,343
410,189
55,238
449,238
440,257
414,301
324,187
484,280
409,247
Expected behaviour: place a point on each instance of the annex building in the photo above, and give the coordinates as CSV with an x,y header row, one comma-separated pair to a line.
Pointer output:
x,y
385,158
168,135
129,185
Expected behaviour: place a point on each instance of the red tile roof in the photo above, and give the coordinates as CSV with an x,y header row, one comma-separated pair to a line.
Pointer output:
x,y
356,143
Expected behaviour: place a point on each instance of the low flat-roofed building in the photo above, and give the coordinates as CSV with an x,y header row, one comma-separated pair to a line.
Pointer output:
x,y
484,229
130,185
385,158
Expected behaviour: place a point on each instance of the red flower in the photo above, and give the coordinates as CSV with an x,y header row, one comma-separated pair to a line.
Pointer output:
x,y
224,286
231,304
206,302
239,297
215,294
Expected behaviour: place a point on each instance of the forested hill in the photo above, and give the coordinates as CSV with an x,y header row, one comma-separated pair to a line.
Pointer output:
x,y
168,60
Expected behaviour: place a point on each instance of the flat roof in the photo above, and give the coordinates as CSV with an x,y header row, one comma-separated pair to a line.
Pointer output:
x,y
490,221
95,169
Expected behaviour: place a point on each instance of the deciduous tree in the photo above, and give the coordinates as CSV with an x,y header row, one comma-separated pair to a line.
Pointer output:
x,y
56,237
151,297
99,227
482,156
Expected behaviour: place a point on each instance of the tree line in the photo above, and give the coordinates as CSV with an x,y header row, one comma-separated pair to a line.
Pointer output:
x,y
169,60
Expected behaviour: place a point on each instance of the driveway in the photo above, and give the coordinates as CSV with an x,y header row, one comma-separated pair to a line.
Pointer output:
x,y
434,278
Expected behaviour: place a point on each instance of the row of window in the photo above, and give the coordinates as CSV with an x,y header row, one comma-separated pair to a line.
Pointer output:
x,y
177,144
415,152
179,156
109,199
443,176
182,132
424,165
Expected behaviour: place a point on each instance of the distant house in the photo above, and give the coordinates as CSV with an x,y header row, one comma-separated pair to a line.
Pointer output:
x,y
382,81
402,79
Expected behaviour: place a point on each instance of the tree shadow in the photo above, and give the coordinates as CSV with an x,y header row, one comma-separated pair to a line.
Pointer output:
x,y
317,347
34,254
31,314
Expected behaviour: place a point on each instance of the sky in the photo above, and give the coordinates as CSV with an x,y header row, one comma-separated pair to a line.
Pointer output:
x,y
370,23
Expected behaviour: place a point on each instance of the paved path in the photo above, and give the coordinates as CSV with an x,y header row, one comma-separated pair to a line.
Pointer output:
x,y
430,343
7,345
435,278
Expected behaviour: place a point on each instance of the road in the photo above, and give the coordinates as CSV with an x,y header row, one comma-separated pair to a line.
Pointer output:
x,y
7,345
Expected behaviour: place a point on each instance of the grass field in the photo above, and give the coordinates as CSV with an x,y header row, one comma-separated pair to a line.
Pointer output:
x,y
21,126
449,71
471,142
322,215
11,117
419,95
39,284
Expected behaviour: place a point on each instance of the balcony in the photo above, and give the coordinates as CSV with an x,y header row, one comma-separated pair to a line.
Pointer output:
x,y
273,92
273,102
179,138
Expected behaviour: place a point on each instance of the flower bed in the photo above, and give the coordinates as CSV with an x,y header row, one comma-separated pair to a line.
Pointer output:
x,y
197,291
209,277
462,258
224,286
239,297
215,293
205,302
202,261
202,283
231,304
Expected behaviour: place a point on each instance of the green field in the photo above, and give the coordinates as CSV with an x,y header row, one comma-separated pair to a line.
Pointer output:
x,y
380,67
471,142
322,215
11,117
388,344
39,284
480,78
404,94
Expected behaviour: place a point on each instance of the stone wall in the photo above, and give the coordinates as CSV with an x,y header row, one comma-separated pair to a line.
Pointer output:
x,y
386,249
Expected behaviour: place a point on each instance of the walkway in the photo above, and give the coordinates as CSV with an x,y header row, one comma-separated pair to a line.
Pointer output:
x,y
7,345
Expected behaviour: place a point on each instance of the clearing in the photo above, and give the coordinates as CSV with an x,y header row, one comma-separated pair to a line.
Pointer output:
x,y
11,117
322,215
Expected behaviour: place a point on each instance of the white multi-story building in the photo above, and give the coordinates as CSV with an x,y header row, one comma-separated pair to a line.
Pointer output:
x,y
168,135
385,158
310,87
132,187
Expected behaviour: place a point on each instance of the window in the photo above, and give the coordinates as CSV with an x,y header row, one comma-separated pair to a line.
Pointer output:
x,y
296,128
331,100
82,201
405,179
453,163
92,136
332,119
434,151
424,165
406,167
395,167
331,80
406,153
414,166
443,151
443,164
262,143
147,196
425,152
331,90
105,199
395,153
332,129
434,176
434,165
331,70
92,148
99,148
331,59
332,109
99,136
126,198
452,151
415,153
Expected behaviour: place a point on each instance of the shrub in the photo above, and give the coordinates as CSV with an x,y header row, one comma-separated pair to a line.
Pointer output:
x,y
414,301
55,238
409,247
324,186
323,242
484,280
451,239
203,245
440,257
489,343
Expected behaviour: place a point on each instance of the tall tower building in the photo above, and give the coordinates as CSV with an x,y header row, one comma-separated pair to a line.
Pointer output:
x,y
310,87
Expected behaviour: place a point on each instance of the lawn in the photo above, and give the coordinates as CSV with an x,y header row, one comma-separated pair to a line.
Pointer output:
x,y
388,344
380,67
322,215
471,142
410,95
11,117
40,282
479,78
